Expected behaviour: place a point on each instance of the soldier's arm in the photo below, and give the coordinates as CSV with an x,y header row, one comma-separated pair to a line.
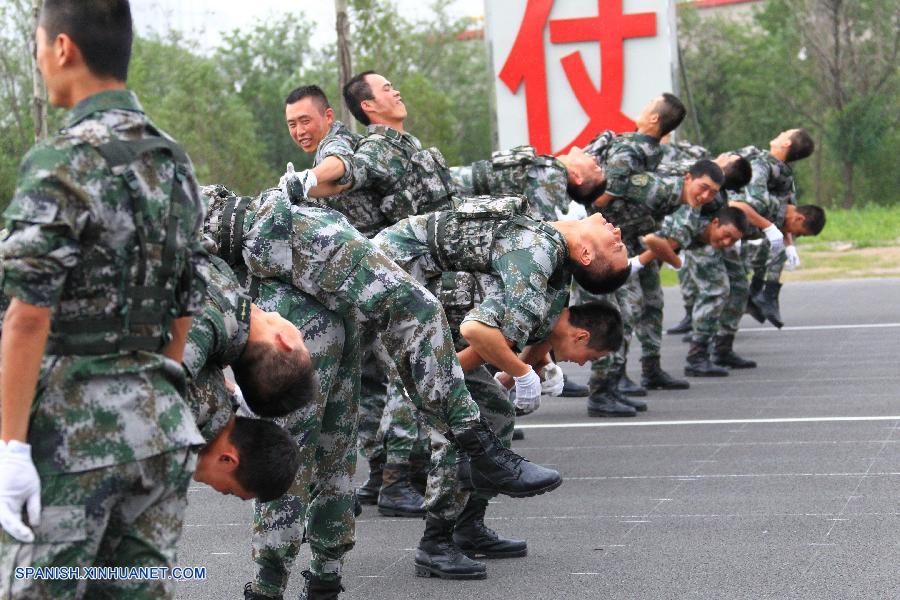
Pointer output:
x,y
755,219
328,173
489,343
175,348
662,249
25,332
757,191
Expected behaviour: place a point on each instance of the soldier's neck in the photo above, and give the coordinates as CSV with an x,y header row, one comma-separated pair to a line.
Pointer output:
x,y
393,124
86,87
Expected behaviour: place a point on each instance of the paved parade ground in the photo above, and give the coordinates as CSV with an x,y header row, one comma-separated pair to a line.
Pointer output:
x,y
776,482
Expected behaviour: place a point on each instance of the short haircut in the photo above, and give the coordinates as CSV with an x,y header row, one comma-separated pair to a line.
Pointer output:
x,y
273,382
586,194
604,280
309,91
815,218
707,168
738,173
101,29
729,215
268,458
602,320
802,145
671,113
355,91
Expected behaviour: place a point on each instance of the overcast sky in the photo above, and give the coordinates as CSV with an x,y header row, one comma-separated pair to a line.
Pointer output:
x,y
204,19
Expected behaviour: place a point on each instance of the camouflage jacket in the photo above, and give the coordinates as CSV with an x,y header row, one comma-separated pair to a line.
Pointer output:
x,y
772,186
678,152
217,337
623,156
529,258
408,179
73,245
650,197
685,226
542,179
361,205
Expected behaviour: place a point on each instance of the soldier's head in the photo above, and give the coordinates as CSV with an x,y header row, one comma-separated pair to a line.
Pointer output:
x,y
807,219
250,458
308,116
661,116
586,180
726,228
596,252
275,370
586,332
737,170
701,183
791,145
373,100
81,43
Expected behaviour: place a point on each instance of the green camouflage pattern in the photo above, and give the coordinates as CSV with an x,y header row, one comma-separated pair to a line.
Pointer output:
x,y
679,152
70,238
684,226
542,179
320,502
126,515
705,268
623,156
736,261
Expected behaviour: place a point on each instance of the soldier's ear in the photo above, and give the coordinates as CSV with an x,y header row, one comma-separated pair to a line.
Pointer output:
x,y
228,459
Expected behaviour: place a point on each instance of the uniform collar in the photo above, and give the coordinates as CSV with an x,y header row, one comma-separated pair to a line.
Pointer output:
x,y
641,137
108,100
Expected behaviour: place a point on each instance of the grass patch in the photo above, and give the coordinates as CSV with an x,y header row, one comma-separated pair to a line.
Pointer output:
x,y
869,227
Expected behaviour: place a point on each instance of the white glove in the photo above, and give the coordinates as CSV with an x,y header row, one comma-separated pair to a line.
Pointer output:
x,y
575,212
19,485
737,246
554,382
528,392
775,237
793,258
294,184
635,262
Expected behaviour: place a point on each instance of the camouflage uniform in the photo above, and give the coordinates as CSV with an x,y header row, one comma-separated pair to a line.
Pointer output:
x,y
110,430
543,179
502,269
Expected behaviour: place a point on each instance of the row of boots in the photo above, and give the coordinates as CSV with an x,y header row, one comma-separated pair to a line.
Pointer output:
x,y
617,395
397,489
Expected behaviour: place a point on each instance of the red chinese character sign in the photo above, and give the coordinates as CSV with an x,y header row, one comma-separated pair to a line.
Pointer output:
x,y
568,69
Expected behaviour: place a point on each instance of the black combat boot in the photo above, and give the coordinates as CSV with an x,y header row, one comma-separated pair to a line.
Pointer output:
x,y
475,539
698,364
627,387
438,556
357,505
398,498
767,301
319,589
518,434
367,493
685,325
605,401
753,309
573,390
249,594
654,378
723,354
490,468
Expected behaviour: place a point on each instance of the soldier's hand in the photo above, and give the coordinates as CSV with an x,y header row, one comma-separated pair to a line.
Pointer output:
x,y
528,392
554,382
793,257
297,185
19,486
635,262
775,237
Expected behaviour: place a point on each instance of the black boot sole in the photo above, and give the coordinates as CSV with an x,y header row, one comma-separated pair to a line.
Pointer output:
x,y
678,330
427,571
692,373
633,393
475,554
393,512
731,365
667,387
525,494
367,499
603,413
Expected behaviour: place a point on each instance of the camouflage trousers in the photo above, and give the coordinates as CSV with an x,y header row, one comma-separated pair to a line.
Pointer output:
x,y
704,269
686,282
640,302
736,262
387,428
126,515
318,507
444,496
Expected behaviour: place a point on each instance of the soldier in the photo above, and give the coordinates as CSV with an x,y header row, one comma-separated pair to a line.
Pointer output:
x,y
311,124
506,278
248,458
317,251
688,229
549,182
770,190
104,266
622,157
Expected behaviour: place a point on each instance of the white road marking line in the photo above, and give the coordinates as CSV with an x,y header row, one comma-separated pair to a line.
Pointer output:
x,y
732,476
584,573
583,425
221,553
820,327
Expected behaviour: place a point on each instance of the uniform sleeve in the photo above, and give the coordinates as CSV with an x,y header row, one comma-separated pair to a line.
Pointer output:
x,y
371,166
195,277
549,192
757,191
683,226
341,148
621,164
525,281
43,222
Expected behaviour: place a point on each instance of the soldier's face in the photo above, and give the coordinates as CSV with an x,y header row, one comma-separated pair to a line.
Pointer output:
x,y
782,139
387,103
217,471
47,64
308,122
583,170
700,190
649,115
723,236
606,240
572,345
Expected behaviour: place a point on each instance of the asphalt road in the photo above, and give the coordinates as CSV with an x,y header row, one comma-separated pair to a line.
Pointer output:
x,y
777,482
